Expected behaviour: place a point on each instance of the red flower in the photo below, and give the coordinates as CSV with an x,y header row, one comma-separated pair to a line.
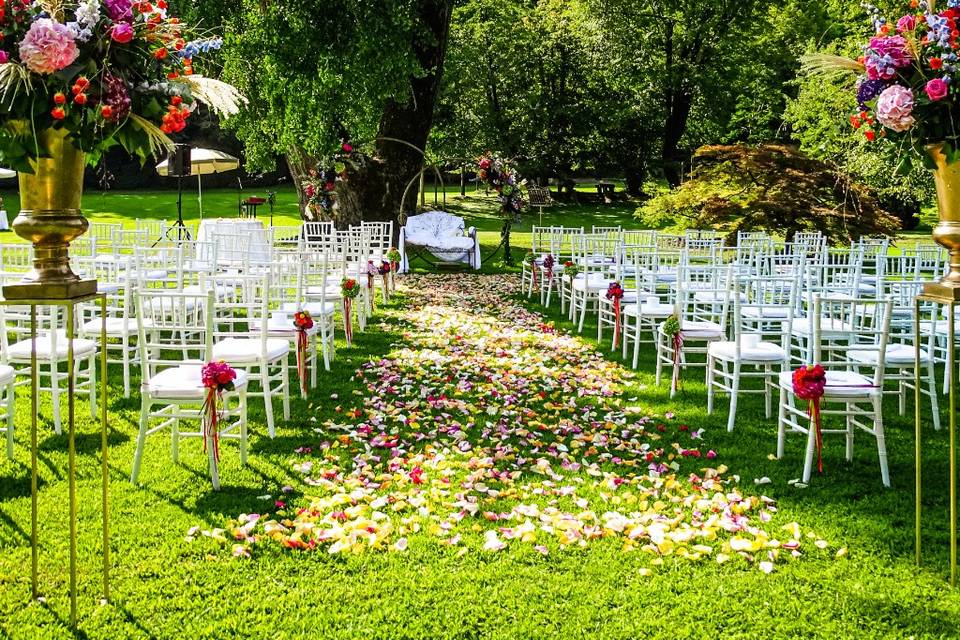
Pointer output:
x,y
160,54
347,147
59,98
935,63
871,136
58,113
80,99
855,122
809,382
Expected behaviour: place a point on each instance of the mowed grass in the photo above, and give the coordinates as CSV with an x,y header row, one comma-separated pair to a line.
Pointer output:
x,y
166,587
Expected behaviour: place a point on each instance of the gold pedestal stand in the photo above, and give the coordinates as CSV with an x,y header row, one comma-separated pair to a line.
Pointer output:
x,y
69,304
938,294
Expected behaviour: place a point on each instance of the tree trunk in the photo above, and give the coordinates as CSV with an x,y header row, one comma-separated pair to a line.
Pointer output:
x,y
634,178
374,188
680,102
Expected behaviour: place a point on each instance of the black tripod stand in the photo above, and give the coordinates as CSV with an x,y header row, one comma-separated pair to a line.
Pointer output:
x,y
178,230
178,165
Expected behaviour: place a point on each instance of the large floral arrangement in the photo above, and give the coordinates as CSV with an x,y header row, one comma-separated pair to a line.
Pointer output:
x,y
905,77
320,187
108,71
501,177
320,184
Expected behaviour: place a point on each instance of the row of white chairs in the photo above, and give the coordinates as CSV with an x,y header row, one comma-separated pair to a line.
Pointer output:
x,y
757,311
173,306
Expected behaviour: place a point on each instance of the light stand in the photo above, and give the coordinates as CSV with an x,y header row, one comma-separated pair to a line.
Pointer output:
x,y
179,166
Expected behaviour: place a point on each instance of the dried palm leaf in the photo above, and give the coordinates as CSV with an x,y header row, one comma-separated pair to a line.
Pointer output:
x,y
13,77
156,139
829,64
54,9
222,98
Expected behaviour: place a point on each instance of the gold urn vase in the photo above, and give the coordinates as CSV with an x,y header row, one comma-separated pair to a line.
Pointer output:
x,y
50,218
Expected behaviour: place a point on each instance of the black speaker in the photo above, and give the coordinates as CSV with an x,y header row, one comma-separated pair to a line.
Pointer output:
x,y
179,164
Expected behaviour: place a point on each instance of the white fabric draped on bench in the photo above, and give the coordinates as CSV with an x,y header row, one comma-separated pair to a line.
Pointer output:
x,y
442,234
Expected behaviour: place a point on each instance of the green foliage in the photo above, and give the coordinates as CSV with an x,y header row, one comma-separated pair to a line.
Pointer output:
x,y
315,73
525,80
769,188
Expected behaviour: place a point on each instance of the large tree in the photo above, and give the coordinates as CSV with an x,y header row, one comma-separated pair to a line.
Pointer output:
x,y
523,79
316,74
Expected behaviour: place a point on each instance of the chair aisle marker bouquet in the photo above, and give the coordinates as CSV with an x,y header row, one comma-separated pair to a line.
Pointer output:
x,y
809,383
217,377
303,322
350,289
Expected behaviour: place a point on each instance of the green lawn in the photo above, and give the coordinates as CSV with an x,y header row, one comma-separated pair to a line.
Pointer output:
x,y
167,587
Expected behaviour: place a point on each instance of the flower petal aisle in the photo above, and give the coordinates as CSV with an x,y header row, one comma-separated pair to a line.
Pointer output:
x,y
485,428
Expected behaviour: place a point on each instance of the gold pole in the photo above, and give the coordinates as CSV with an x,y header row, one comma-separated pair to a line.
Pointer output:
x,y
71,389
951,378
103,447
916,413
34,384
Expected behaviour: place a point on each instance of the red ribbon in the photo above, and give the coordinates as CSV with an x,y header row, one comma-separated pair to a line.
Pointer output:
x,y
677,340
302,358
211,413
814,413
347,320
616,324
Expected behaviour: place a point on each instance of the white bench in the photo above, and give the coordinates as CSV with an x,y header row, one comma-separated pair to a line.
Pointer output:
x,y
442,234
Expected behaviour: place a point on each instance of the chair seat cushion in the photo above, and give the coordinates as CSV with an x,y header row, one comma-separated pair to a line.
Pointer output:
x,y
315,308
595,282
237,350
184,382
840,384
108,287
765,312
804,327
221,291
116,327
700,330
649,309
761,352
81,348
895,354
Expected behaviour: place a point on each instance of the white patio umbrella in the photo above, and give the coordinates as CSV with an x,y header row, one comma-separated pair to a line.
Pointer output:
x,y
204,162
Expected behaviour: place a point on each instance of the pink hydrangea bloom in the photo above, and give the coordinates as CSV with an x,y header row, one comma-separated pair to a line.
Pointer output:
x,y
895,108
893,46
48,46
937,89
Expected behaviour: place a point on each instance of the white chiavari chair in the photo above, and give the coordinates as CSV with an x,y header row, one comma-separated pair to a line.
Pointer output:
x,y
850,394
700,306
52,352
241,338
174,383
759,346
8,378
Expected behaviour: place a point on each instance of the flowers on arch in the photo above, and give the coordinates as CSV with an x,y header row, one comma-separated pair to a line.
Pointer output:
x,y
502,178
109,72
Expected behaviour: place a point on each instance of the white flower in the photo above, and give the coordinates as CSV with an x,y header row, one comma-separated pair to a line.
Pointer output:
x,y
88,14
